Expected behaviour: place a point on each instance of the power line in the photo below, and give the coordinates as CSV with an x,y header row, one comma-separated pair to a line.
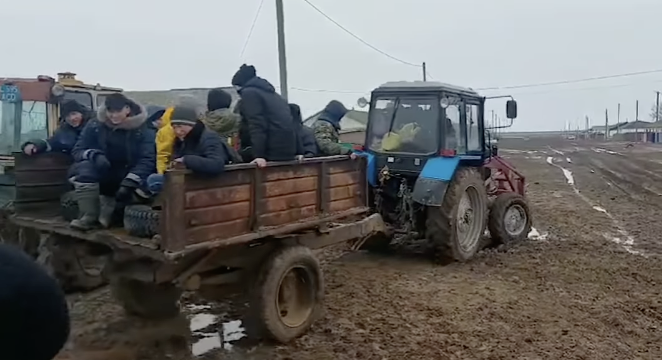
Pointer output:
x,y
572,81
250,32
328,91
358,38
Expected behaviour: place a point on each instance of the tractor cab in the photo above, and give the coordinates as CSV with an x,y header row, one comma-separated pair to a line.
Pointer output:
x,y
30,109
410,123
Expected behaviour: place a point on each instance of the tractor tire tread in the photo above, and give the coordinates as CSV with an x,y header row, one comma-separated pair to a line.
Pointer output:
x,y
496,224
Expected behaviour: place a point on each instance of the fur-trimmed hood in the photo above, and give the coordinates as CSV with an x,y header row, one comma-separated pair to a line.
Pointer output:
x,y
136,118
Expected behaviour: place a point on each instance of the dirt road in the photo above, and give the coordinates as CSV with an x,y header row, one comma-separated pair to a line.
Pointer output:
x,y
585,286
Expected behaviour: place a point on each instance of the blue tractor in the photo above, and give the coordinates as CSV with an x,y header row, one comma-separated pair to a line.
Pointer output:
x,y
434,173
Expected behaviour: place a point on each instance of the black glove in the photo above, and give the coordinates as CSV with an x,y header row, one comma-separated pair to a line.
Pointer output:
x,y
101,161
40,146
126,190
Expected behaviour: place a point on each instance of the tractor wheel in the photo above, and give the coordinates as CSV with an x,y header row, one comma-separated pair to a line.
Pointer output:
x,y
146,300
456,227
141,220
510,219
289,294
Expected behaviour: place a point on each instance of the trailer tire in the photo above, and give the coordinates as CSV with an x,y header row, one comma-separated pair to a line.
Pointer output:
x,y
146,300
290,279
509,219
141,220
75,266
442,222
69,206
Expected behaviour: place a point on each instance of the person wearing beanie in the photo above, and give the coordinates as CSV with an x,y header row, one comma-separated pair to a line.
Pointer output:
x,y
114,155
221,119
306,144
327,128
268,128
74,117
198,148
34,315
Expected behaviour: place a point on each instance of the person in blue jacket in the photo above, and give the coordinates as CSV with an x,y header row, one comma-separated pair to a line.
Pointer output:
x,y
74,117
114,155
198,148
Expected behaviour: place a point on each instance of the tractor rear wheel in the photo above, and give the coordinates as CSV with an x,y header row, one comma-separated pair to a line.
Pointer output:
x,y
456,227
510,219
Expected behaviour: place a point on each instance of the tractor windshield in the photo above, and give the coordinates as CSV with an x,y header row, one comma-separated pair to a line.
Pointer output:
x,y
21,121
404,124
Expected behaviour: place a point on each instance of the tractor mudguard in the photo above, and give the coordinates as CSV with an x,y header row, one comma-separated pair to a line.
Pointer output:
x,y
431,184
371,171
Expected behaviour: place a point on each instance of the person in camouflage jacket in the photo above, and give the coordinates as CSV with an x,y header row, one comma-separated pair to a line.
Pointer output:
x,y
327,127
222,120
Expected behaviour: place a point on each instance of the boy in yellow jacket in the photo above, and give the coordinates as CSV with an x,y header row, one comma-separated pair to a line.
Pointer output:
x,y
165,139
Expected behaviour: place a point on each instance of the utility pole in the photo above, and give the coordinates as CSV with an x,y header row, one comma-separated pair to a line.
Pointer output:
x,y
606,124
636,113
657,106
282,56
425,72
618,119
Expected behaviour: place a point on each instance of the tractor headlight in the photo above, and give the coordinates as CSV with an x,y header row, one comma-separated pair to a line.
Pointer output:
x,y
57,90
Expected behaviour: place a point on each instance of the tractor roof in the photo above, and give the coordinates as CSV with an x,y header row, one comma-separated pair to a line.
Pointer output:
x,y
418,86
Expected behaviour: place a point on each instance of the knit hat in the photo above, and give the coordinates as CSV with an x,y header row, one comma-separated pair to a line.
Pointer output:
x,y
183,116
155,112
73,106
243,75
116,102
218,99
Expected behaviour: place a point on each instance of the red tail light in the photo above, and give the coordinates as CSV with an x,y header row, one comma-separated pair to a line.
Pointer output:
x,y
358,147
448,153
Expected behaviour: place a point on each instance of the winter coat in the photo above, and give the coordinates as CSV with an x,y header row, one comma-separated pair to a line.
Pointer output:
x,y
267,122
203,151
35,317
327,127
165,139
306,144
62,140
130,147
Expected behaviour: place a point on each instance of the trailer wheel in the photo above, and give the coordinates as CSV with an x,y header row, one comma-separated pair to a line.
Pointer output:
x,y
75,265
456,227
510,218
289,294
141,220
146,300
69,206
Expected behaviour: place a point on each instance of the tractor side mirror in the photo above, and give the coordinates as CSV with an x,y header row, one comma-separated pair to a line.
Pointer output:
x,y
511,109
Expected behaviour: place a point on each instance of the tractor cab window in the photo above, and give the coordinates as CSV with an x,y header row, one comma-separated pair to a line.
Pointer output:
x,y
452,131
473,131
20,122
404,124
82,98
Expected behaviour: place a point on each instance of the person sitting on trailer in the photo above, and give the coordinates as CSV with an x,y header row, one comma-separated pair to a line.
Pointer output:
x,y
306,144
197,147
225,122
74,117
327,127
114,155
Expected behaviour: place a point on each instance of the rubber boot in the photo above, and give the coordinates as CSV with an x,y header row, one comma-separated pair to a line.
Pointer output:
x,y
107,210
87,196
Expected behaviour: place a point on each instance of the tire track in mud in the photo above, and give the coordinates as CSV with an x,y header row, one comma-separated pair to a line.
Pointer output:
x,y
627,199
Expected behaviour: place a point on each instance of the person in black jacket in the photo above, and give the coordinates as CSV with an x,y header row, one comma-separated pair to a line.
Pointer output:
x,y
198,148
306,143
74,117
34,318
267,118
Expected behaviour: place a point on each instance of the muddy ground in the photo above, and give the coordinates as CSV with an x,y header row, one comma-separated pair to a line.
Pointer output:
x,y
586,285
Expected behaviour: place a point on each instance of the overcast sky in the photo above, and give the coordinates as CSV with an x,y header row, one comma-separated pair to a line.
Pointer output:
x,y
150,44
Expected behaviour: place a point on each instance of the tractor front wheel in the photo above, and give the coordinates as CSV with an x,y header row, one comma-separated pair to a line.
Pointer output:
x,y
456,227
509,219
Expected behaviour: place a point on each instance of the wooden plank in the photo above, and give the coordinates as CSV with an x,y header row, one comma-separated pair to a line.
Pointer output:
x,y
199,234
174,230
286,202
341,167
278,188
217,196
344,192
344,179
217,214
41,193
289,216
226,179
290,172
345,204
